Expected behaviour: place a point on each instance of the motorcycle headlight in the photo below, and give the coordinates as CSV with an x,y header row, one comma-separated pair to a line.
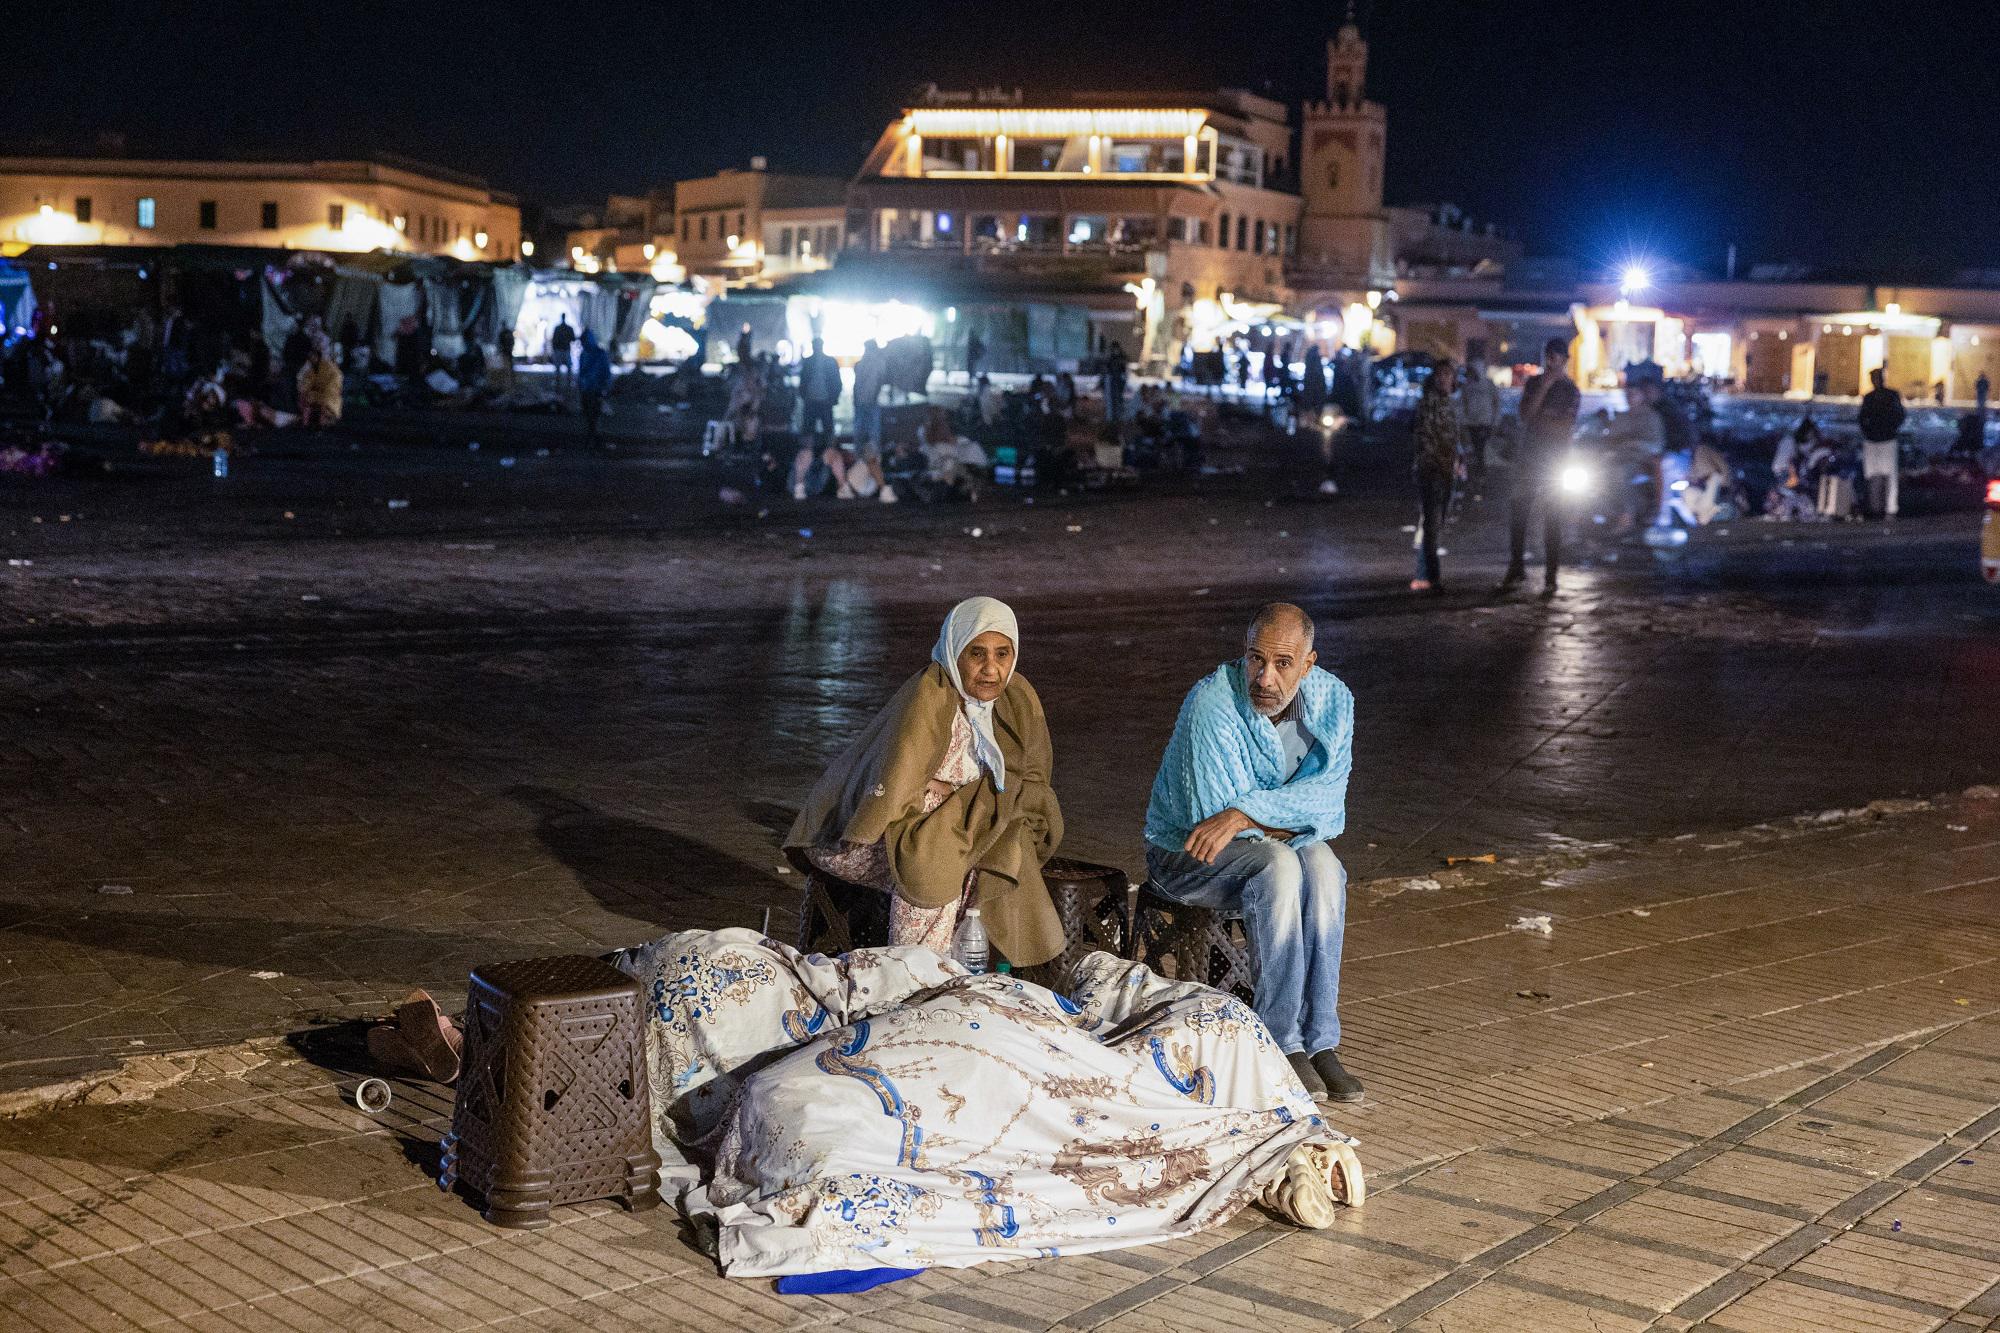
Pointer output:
x,y
1574,479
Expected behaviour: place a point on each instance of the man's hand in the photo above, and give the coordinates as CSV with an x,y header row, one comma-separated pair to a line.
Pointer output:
x,y
1213,834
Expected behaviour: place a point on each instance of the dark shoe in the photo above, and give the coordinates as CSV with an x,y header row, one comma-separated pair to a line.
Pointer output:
x,y
1548,587
1341,1086
1302,1067
1512,579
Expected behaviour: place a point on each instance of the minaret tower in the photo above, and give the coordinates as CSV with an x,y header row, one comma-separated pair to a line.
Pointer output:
x,y
1344,143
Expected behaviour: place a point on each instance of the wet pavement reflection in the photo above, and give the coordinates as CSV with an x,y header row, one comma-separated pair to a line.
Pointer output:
x,y
362,762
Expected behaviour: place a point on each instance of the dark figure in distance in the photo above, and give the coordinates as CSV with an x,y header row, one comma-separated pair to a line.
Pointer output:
x,y
1549,405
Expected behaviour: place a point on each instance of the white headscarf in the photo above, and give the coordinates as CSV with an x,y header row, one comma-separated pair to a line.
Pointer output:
x,y
968,620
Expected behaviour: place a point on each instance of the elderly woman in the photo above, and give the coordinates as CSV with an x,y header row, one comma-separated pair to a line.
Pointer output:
x,y
946,793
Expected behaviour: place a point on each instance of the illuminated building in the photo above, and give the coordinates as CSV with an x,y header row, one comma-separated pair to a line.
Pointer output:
x,y
347,206
1164,222
1111,213
1775,332
732,229
746,227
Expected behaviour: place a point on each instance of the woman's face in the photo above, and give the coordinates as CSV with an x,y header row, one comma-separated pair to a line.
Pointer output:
x,y
986,665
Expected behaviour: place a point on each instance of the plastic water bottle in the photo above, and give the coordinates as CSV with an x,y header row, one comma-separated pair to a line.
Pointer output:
x,y
221,462
968,943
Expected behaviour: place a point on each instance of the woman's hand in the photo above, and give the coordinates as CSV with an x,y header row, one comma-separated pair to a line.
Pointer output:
x,y
941,790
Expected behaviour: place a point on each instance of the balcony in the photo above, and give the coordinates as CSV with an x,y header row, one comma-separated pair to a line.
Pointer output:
x,y
1025,264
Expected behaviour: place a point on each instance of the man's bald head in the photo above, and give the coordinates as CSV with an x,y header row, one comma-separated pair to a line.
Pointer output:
x,y
1282,616
1277,653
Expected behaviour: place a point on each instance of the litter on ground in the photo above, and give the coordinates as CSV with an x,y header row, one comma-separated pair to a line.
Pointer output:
x,y
1534,925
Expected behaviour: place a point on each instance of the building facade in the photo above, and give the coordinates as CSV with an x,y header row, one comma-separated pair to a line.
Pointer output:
x,y
1125,208
349,206
733,229
1793,337
744,228
1168,222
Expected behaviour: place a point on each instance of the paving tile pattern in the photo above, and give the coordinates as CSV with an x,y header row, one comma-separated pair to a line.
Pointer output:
x,y
1772,1102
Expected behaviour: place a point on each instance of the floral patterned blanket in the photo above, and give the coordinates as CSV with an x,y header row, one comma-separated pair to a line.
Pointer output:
x,y
885,1109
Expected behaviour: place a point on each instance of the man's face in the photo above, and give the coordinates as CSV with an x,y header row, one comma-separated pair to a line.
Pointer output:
x,y
1556,362
1275,660
986,665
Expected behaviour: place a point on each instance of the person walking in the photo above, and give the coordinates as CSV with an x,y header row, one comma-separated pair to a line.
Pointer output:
x,y
593,381
1436,435
1549,405
1981,387
975,353
1479,412
560,342
819,390
1880,419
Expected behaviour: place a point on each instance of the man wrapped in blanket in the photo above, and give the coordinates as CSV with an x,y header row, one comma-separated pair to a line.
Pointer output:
x,y
1251,792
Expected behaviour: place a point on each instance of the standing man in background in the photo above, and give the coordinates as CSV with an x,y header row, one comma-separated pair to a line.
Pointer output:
x,y
1479,410
1881,420
1549,406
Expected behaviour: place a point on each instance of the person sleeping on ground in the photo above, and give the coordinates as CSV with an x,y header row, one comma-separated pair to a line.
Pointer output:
x,y
946,794
886,1111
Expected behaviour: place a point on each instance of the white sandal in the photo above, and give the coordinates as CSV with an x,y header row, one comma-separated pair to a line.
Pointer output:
x,y
1318,1179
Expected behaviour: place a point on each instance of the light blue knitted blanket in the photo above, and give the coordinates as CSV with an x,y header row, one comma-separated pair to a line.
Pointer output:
x,y
1224,754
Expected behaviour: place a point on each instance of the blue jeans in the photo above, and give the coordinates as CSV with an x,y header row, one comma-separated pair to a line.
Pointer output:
x,y
1294,906
867,426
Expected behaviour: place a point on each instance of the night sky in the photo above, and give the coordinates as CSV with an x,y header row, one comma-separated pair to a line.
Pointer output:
x,y
1839,134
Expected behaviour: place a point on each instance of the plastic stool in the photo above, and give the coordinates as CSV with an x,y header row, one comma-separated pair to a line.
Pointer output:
x,y
553,1105
1202,945
1094,902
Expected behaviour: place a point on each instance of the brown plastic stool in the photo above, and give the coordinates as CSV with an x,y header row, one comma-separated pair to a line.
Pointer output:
x,y
1201,944
1094,902
553,1106
835,916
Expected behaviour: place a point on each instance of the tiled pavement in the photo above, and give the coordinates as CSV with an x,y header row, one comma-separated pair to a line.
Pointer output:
x,y
1749,1085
